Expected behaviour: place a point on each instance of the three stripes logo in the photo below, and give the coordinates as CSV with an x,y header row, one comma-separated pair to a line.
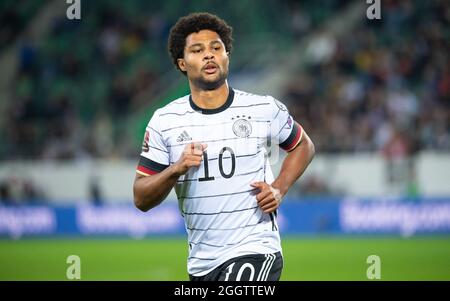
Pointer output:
x,y
184,137
265,269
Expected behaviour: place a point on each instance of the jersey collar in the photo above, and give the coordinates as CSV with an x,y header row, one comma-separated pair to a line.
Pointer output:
x,y
227,103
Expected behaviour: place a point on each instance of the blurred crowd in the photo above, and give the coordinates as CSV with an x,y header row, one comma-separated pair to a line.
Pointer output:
x,y
383,87
72,90
14,17
76,89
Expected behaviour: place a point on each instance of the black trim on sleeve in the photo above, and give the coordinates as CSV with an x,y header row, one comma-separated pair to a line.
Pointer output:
x,y
291,138
152,165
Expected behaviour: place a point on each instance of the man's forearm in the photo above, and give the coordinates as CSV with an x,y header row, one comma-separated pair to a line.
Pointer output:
x,y
152,190
294,165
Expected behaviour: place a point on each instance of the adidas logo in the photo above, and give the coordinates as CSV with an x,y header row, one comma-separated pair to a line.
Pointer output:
x,y
184,137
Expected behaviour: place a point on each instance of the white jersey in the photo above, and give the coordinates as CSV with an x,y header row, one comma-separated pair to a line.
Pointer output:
x,y
218,204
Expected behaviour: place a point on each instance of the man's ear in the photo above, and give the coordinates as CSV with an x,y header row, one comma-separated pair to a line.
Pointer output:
x,y
181,64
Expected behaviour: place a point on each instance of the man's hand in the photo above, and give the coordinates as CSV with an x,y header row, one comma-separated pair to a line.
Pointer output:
x,y
192,156
268,198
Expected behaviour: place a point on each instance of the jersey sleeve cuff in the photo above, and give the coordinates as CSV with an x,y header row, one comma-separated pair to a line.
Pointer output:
x,y
147,167
294,138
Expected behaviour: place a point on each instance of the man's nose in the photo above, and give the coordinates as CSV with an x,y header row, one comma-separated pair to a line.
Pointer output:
x,y
208,55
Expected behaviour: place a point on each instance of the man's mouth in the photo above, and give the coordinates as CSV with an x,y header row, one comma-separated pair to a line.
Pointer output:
x,y
210,68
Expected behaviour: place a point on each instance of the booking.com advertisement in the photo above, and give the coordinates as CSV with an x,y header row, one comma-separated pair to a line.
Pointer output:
x,y
399,217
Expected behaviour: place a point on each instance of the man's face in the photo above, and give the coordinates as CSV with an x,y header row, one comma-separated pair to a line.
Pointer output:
x,y
205,60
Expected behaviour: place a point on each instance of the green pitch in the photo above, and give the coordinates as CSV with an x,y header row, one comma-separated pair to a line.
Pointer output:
x,y
324,258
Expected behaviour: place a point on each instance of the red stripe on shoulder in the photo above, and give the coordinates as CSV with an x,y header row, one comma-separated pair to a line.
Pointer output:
x,y
146,170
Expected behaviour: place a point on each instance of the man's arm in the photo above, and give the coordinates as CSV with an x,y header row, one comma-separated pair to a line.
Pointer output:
x,y
150,191
295,163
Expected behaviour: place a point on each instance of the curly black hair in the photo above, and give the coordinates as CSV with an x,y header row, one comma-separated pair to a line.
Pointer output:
x,y
195,22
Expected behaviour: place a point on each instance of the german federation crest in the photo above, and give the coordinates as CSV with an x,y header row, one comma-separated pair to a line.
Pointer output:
x,y
242,128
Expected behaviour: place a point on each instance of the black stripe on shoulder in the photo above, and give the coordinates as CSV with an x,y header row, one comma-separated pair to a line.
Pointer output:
x,y
177,103
161,150
252,105
150,164
278,112
154,130
249,94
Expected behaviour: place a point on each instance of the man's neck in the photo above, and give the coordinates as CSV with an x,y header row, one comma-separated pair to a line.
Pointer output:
x,y
212,99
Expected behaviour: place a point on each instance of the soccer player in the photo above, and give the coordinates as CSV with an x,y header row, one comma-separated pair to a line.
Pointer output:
x,y
212,147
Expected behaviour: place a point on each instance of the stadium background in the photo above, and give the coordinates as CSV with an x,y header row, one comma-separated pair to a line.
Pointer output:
x,y
76,95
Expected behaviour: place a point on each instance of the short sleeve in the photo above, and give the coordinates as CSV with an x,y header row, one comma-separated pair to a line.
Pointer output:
x,y
154,157
285,131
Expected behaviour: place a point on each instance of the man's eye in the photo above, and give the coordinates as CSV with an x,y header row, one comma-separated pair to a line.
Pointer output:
x,y
196,51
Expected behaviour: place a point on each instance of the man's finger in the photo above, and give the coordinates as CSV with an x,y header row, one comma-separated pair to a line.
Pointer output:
x,y
194,148
194,145
262,195
271,209
267,200
193,153
193,163
258,184
196,158
197,152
